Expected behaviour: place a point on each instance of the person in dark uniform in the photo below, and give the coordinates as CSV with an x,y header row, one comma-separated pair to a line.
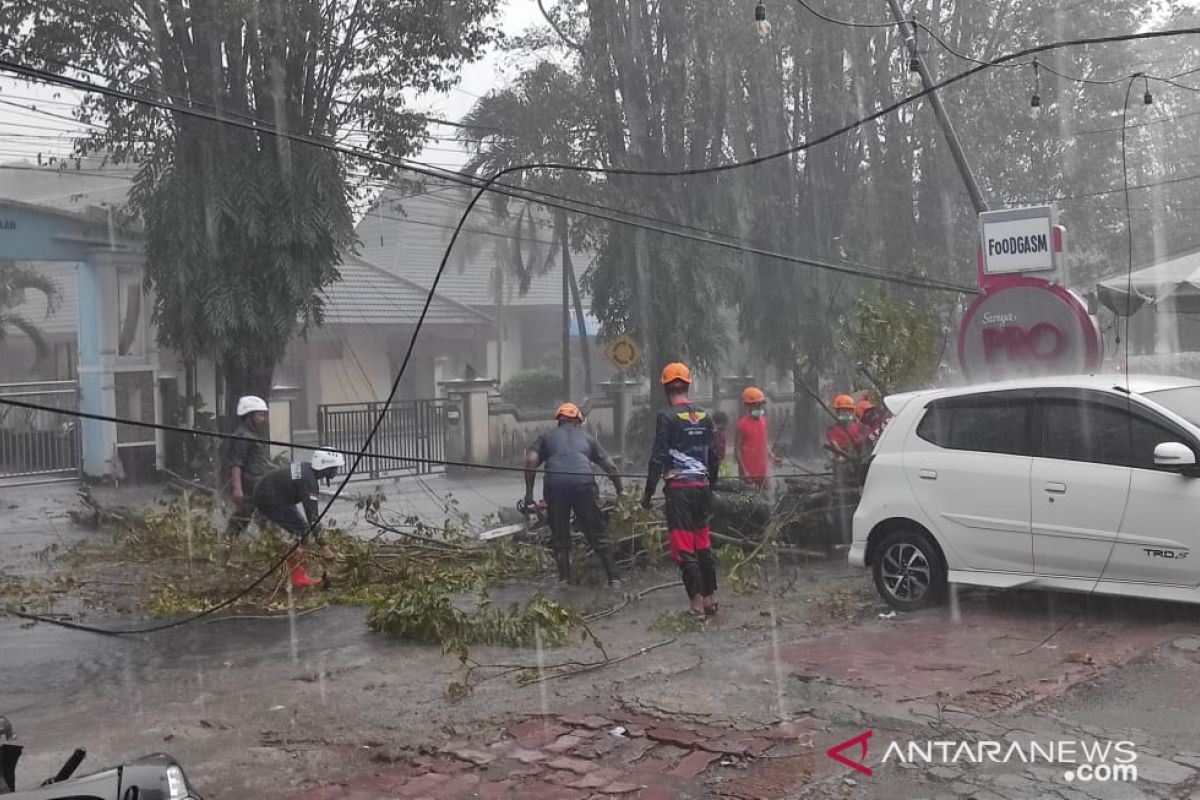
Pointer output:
x,y
298,484
569,485
685,458
248,462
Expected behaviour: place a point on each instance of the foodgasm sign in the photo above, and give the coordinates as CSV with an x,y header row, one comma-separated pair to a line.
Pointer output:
x,y
1027,326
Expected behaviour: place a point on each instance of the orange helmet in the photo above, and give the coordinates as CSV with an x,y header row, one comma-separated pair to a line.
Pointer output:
x,y
862,407
752,396
569,411
676,372
843,402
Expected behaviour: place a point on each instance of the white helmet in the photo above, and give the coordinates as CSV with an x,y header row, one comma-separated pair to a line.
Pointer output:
x,y
249,404
324,459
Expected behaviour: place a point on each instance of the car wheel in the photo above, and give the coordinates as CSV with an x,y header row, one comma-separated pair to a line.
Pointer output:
x,y
908,571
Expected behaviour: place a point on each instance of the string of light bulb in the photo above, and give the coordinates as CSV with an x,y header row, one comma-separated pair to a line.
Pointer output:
x,y
763,28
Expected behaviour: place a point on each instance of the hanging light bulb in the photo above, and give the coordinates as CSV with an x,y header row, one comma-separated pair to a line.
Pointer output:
x,y
1035,102
761,25
1147,98
914,74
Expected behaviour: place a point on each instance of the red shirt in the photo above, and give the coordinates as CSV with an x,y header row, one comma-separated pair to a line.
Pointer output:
x,y
753,447
847,437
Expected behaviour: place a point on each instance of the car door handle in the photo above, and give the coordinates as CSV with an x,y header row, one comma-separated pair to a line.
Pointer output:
x,y
927,475
1056,488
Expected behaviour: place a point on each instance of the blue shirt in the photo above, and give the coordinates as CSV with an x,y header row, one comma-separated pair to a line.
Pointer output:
x,y
568,453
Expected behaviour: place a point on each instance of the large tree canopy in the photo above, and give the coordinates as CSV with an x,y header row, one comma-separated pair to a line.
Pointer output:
x,y
690,84
243,228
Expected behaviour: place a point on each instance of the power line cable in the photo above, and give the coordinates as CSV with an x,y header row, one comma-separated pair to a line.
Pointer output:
x,y
1128,390
937,37
538,195
166,428
45,75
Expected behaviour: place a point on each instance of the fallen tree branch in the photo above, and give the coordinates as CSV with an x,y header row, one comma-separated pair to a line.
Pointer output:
x,y
190,484
625,603
606,663
371,519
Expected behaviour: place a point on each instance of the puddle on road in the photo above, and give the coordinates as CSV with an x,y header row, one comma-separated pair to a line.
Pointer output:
x,y
43,665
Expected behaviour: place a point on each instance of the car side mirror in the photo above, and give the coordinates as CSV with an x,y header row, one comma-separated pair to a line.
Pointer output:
x,y
1175,455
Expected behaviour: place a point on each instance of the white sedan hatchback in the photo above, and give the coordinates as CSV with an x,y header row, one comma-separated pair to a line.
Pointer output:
x,y
1085,484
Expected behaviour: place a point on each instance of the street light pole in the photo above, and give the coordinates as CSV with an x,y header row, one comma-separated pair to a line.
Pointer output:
x,y
909,29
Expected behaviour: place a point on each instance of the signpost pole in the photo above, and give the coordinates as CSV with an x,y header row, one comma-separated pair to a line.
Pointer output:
x,y
960,159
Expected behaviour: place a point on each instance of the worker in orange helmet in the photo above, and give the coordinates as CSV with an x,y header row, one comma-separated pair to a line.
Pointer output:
x,y
685,458
872,418
846,437
568,453
751,443
863,405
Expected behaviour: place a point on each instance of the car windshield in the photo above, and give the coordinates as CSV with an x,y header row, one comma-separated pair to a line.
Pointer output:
x,y
470,399
1184,401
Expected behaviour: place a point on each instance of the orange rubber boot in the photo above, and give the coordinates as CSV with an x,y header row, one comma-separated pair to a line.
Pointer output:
x,y
300,577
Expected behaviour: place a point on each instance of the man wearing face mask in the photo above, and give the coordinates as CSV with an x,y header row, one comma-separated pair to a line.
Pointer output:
x,y
752,445
846,437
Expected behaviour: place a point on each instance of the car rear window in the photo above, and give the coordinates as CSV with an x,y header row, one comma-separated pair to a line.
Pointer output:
x,y
992,423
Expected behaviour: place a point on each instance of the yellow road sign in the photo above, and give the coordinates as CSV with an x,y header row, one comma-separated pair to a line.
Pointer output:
x,y
624,353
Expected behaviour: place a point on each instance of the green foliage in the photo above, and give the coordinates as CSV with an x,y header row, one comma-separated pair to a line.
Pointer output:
x,y
631,523
15,280
894,343
422,611
534,389
676,623
243,228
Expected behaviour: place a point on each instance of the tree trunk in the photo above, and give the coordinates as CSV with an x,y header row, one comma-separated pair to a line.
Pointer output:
x,y
584,343
241,381
561,224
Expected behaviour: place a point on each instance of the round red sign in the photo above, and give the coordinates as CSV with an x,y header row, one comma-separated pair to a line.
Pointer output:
x,y
1027,326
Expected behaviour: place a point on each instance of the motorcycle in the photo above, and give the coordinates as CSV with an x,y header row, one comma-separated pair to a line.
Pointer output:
x,y
152,777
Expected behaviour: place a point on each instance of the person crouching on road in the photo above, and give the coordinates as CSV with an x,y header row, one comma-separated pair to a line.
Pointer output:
x,y
685,458
568,453
248,462
753,446
281,490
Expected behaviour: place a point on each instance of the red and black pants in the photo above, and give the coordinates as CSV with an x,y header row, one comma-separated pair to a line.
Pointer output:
x,y
689,509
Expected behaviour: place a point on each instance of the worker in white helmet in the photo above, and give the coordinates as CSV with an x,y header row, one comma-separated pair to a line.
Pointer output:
x,y
248,460
298,484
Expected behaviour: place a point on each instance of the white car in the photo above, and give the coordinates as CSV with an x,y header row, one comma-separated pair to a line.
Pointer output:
x,y
1085,484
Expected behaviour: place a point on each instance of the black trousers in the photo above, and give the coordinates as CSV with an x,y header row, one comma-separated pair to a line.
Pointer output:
x,y
584,501
243,512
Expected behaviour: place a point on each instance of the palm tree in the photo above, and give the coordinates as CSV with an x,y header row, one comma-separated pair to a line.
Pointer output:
x,y
15,280
537,119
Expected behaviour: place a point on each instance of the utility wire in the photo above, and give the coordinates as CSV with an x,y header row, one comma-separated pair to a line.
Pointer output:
x,y
534,194
937,37
159,426
1128,392
50,77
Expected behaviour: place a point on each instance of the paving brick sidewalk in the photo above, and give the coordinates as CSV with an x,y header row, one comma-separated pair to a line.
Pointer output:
x,y
614,756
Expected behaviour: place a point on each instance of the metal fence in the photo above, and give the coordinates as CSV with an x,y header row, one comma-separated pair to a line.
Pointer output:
x,y
37,445
409,429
